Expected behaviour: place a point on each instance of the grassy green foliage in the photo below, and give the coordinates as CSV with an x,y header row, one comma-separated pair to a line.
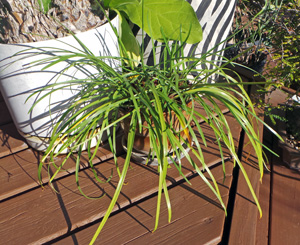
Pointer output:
x,y
147,93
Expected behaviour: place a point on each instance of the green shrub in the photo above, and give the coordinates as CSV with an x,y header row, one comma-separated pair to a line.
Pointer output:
x,y
285,37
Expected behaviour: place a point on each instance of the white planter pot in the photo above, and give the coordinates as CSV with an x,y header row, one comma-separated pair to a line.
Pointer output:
x,y
18,82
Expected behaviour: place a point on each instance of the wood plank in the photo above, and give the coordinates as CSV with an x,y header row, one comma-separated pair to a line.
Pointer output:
x,y
285,189
263,232
245,213
285,215
262,227
277,97
197,218
263,223
10,140
47,216
19,172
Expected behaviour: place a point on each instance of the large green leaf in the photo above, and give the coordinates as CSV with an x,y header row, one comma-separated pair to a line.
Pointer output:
x,y
170,19
120,5
131,48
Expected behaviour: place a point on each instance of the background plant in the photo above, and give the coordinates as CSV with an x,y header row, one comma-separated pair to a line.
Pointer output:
x,y
268,28
250,41
272,28
285,36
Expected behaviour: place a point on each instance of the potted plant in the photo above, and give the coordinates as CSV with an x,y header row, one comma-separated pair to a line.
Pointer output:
x,y
250,43
152,98
284,70
36,127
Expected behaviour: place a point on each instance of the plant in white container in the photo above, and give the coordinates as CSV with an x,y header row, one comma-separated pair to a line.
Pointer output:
x,y
157,101
37,20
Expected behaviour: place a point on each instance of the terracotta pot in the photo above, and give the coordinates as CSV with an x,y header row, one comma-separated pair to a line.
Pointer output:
x,y
142,139
287,149
289,154
18,82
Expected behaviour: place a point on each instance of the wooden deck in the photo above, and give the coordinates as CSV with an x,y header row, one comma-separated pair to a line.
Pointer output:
x,y
30,214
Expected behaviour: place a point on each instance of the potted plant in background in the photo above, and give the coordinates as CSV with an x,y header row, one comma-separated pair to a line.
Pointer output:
x,y
284,69
250,43
152,98
274,28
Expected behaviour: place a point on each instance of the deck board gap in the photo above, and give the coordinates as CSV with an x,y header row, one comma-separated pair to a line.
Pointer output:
x,y
233,191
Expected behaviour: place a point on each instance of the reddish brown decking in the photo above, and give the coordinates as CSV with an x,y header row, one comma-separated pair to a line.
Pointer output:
x,y
284,206
30,214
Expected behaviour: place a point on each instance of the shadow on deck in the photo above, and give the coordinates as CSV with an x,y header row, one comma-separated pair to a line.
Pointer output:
x,y
31,214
